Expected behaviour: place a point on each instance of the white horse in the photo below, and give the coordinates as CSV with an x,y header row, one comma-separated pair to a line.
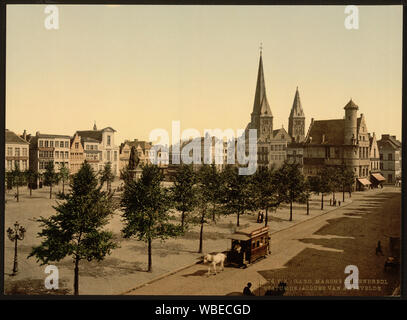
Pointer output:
x,y
213,260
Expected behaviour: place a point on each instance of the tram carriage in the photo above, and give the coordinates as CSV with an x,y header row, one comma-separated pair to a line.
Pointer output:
x,y
248,245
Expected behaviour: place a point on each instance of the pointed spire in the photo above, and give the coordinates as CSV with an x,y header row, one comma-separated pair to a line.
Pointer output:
x,y
94,126
261,105
296,110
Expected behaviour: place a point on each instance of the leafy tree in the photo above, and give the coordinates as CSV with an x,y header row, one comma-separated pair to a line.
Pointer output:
x,y
265,191
31,177
332,176
236,193
77,228
320,184
211,182
50,177
183,191
346,180
18,180
107,176
146,206
63,176
306,195
291,183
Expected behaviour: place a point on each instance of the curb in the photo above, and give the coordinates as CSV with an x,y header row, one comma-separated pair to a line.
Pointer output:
x,y
161,277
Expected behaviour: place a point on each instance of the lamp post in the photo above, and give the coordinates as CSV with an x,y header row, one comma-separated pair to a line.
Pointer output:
x,y
14,235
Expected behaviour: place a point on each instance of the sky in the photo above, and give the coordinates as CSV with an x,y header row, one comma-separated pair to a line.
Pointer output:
x,y
138,68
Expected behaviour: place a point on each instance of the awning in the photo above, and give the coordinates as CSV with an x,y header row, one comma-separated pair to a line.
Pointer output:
x,y
378,177
364,181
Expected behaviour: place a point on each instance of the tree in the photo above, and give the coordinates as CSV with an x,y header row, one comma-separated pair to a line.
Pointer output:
x,y
265,191
50,177
306,195
211,182
31,177
106,175
77,228
291,183
183,191
18,180
64,176
146,206
332,176
236,193
346,180
9,180
320,184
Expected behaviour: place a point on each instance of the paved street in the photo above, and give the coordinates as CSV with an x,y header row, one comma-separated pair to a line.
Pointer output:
x,y
311,252
125,268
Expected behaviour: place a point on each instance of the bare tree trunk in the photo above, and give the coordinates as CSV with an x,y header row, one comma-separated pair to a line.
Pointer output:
x,y
201,235
76,277
18,196
182,220
322,201
291,210
150,267
238,219
266,218
343,194
50,191
307,206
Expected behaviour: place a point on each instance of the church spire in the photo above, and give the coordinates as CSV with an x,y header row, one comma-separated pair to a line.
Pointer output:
x,y
296,110
261,105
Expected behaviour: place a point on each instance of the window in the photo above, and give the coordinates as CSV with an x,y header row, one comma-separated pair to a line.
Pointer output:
x,y
9,151
46,143
66,154
17,164
61,144
381,156
108,155
41,143
51,144
66,144
9,164
115,156
390,157
76,145
25,151
17,152
108,140
24,164
374,153
57,154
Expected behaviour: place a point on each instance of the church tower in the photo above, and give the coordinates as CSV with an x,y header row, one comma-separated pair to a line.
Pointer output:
x,y
261,117
296,121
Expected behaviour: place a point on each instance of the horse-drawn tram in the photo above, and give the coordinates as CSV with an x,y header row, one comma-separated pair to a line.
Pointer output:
x,y
248,245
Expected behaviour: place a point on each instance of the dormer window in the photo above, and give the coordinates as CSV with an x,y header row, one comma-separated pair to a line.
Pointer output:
x,y
108,140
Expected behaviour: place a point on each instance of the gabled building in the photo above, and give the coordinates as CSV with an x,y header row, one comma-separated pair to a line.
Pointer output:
x,y
99,146
142,149
339,142
390,158
77,154
17,152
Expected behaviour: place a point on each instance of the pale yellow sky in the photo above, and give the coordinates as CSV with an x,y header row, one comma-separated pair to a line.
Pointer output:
x,y
137,68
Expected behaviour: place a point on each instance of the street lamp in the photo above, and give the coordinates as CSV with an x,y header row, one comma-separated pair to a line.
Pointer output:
x,y
14,235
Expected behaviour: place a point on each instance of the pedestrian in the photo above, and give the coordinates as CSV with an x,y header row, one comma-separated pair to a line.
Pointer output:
x,y
339,202
335,203
261,217
247,291
330,202
258,217
379,248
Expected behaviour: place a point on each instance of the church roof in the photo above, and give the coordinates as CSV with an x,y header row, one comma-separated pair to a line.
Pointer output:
x,y
261,105
330,132
296,110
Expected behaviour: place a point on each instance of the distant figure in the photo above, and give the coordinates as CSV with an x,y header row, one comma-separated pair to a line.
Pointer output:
x,y
379,248
339,203
335,203
261,217
330,202
247,291
258,217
